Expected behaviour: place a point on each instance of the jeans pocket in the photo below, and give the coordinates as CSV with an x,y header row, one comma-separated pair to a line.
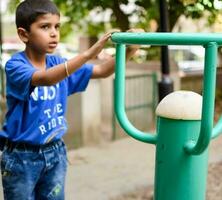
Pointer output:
x,y
11,168
7,168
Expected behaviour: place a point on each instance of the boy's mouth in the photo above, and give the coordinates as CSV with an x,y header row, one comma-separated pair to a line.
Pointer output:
x,y
53,44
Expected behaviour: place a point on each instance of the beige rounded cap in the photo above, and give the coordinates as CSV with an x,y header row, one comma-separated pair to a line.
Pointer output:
x,y
184,105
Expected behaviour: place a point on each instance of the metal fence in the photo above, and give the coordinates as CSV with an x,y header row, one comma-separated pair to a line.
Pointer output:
x,y
140,103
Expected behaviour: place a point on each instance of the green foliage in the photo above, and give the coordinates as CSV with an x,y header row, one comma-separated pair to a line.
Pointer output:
x,y
77,13
12,5
64,30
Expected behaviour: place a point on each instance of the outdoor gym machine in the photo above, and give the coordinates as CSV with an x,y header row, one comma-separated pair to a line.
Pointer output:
x,y
184,119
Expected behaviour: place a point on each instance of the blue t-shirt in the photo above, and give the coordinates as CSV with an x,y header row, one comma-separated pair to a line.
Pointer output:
x,y
36,115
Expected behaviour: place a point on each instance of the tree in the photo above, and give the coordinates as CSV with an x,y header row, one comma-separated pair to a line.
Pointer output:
x,y
77,12
127,13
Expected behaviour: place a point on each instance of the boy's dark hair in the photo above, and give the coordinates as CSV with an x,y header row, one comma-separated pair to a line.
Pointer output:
x,y
29,10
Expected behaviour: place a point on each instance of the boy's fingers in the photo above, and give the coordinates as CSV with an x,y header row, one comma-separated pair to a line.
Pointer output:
x,y
113,31
138,30
108,34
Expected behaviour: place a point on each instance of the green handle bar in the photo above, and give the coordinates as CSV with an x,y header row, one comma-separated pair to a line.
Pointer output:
x,y
119,99
167,38
210,42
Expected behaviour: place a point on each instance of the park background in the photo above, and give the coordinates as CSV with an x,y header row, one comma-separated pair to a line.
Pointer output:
x,y
90,114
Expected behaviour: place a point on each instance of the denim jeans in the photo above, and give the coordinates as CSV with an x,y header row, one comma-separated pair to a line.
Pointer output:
x,y
34,175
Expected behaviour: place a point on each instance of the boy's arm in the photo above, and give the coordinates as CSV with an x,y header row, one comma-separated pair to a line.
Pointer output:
x,y
57,73
107,68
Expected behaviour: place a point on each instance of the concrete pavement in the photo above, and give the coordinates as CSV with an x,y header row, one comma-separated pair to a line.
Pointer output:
x,y
109,170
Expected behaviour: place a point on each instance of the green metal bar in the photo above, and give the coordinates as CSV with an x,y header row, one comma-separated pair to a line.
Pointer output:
x,y
119,99
208,101
167,38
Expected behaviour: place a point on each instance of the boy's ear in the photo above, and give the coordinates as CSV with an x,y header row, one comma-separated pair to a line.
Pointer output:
x,y
23,34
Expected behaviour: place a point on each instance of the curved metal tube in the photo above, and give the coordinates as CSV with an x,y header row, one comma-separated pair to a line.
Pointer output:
x,y
119,99
208,101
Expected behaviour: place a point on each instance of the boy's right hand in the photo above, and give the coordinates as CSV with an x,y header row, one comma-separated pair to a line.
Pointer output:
x,y
93,51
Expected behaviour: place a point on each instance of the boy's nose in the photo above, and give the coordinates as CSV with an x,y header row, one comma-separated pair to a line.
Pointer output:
x,y
53,33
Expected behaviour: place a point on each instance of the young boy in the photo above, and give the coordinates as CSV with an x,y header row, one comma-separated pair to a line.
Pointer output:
x,y
34,159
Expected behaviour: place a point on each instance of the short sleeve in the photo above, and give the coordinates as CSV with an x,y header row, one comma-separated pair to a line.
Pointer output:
x,y
19,75
79,80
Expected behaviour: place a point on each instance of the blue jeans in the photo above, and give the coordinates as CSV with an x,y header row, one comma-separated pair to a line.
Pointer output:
x,y
34,175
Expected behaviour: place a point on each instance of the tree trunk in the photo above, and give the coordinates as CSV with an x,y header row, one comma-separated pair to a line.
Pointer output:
x,y
174,14
121,18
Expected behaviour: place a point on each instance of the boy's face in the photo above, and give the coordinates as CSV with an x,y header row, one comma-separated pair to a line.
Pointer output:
x,y
44,35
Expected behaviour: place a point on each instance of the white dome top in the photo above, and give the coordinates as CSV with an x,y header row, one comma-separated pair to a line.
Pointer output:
x,y
184,105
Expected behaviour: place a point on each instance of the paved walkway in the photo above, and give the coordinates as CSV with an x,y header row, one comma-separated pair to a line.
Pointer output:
x,y
109,170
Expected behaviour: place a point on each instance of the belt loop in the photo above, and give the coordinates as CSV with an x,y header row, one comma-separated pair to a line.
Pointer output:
x,y
57,144
9,145
24,147
6,142
39,150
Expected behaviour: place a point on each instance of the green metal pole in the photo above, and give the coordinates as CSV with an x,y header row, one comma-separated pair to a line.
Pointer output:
x,y
178,175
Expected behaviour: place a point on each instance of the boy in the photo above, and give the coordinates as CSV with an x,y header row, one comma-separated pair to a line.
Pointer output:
x,y
34,159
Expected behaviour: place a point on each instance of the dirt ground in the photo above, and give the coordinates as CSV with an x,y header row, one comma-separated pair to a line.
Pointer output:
x,y
214,188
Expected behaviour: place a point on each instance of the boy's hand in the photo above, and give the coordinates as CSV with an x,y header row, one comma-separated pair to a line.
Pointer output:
x,y
135,30
93,51
131,50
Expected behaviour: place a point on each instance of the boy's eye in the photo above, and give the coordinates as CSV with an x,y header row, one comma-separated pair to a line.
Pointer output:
x,y
45,27
57,27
